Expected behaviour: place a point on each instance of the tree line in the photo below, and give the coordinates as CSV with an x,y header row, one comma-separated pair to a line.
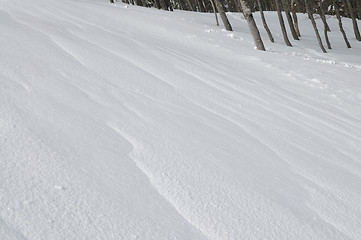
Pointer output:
x,y
288,8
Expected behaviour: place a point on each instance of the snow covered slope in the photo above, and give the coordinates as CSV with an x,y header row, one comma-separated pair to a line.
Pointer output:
x,y
131,123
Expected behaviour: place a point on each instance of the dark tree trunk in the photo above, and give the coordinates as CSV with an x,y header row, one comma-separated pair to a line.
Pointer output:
x,y
345,9
264,21
337,11
111,1
138,2
215,11
252,25
145,3
191,7
157,4
322,5
287,10
199,5
358,4
182,5
282,23
326,28
354,21
223,15
326,35
310,16
295,19
163,5
204,6
237,5
168,2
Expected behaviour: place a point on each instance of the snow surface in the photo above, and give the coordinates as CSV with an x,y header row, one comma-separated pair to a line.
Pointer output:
x,y
121,122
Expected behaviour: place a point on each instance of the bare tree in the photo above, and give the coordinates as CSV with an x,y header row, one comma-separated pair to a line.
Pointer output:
x,y
354,21
337,11
294,16
287,10
264,21
310,16
326,28
223,15
215,11
252,25
282,23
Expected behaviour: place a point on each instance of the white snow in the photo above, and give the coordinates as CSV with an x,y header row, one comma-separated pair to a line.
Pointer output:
x,y
121,122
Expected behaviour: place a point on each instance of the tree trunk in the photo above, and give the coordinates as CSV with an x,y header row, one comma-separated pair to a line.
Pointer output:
x,y
295,19
163,5
287,10
322,15
145,3
264,21
111,1
224,18
169,3
337,11
282,23
182,5
252,25
358,4
139,2
310,16
354,21
200,7
204,6
191,7
237,5
326,28
157,4
345,9
215,12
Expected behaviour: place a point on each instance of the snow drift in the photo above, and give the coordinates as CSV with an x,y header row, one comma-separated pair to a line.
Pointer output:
x,y
122,122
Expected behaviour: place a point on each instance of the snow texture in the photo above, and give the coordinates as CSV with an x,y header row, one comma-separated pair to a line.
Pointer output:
x,y
121,122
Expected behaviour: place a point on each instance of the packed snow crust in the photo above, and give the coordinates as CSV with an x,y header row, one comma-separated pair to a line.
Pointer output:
x,y
121,122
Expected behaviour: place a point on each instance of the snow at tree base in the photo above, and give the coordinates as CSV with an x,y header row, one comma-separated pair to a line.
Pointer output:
x,y
122,122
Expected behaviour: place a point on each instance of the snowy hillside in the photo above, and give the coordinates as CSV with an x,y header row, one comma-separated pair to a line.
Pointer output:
x,y
121,122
